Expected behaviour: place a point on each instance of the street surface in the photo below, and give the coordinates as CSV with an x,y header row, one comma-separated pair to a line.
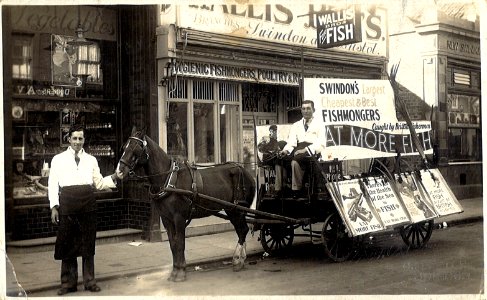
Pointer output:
x,y
451,263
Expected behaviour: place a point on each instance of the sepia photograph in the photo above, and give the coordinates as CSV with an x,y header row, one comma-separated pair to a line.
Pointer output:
x,y
241,148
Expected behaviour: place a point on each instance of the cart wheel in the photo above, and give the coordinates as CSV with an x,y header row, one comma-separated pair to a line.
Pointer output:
x,y
418,234
338,245
276,237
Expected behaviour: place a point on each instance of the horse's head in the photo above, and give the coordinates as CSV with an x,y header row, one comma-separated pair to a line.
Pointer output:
x,y
134,153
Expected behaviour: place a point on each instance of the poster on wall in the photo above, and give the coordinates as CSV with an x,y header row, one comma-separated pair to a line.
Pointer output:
x,y
64,57
355,209
386,203
440,194
416,203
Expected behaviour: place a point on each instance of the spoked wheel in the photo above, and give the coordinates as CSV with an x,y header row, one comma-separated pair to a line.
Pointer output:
x,y
418,234
276,237
338,245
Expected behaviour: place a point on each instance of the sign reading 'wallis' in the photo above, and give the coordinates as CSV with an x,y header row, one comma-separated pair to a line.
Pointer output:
x,y
338,27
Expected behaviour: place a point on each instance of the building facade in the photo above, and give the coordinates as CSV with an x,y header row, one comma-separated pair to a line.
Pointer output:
x,y
223,69
438,47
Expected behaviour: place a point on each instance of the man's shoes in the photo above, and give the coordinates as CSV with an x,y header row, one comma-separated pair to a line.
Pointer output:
x,y
94,288
64,291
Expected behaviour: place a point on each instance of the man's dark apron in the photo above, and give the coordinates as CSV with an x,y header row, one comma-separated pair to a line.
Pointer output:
x,y
77,222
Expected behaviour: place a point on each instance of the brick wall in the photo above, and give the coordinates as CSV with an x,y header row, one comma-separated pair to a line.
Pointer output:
x,y
31,222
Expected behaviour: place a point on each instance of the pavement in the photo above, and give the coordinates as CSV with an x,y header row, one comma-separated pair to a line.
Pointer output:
x,y
32,271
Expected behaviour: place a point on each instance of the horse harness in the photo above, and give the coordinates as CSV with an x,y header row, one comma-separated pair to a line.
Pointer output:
x,y
172,178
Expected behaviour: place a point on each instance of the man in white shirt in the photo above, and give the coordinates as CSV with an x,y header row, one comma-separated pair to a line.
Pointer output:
x,y
306,138
73,178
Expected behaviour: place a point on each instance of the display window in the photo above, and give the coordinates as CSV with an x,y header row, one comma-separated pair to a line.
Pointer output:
x,y
58,80
213,110
463,114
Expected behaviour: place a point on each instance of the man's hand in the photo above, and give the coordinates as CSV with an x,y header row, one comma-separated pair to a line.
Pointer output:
x,y
283,153
301,151
54,215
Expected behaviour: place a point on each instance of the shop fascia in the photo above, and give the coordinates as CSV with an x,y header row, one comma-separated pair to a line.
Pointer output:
x,y
237,73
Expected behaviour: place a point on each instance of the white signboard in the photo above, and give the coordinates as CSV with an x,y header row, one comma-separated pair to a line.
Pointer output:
x,y
442,197
354,207
418,207
285,23
389,208
360,119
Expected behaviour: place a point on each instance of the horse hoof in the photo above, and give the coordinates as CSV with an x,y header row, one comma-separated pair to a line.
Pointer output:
x,y
238,266
180,278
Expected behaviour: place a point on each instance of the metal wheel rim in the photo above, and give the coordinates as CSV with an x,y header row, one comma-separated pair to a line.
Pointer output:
x,y
418,234
338,245
274,238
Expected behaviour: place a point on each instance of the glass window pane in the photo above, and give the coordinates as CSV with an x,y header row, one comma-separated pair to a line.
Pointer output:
x,y
229,132
204,133
464,144
177,133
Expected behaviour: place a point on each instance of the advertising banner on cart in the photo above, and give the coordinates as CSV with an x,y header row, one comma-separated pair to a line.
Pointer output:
x,y
360,120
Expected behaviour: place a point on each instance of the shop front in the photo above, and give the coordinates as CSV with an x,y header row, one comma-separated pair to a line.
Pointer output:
x,y
62,65
225,68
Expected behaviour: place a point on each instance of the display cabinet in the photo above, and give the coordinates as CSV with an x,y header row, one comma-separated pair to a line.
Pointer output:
x,y
39,134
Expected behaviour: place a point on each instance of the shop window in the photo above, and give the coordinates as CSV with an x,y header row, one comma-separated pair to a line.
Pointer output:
x,y
229,121
204,132
22,56
214,127
203,90
259,98
464,144
177,89
177,130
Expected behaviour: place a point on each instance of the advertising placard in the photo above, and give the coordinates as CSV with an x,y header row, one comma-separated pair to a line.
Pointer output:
x,y
387,205
440,194
355,209
418,206
339,27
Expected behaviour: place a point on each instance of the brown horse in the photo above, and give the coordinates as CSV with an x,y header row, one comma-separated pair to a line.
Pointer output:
x,y
229,182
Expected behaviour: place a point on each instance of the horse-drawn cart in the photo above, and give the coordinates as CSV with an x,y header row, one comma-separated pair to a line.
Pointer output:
x,y
347,206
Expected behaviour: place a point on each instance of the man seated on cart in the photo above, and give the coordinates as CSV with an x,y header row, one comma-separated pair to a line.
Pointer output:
x,y
306,139
270,148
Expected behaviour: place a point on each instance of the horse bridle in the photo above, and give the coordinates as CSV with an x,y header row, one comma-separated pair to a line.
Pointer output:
x,y
131,167
143,144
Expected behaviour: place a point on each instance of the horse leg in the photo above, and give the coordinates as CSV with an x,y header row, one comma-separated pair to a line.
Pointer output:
x,y
241,227
179,245
171,237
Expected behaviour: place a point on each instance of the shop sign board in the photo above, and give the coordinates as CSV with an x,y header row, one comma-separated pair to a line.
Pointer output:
x,y
98,22
359,114
284,23
374,204
339,27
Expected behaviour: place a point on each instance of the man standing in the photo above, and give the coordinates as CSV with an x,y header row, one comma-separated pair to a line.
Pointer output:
x,y
306,138
73,178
